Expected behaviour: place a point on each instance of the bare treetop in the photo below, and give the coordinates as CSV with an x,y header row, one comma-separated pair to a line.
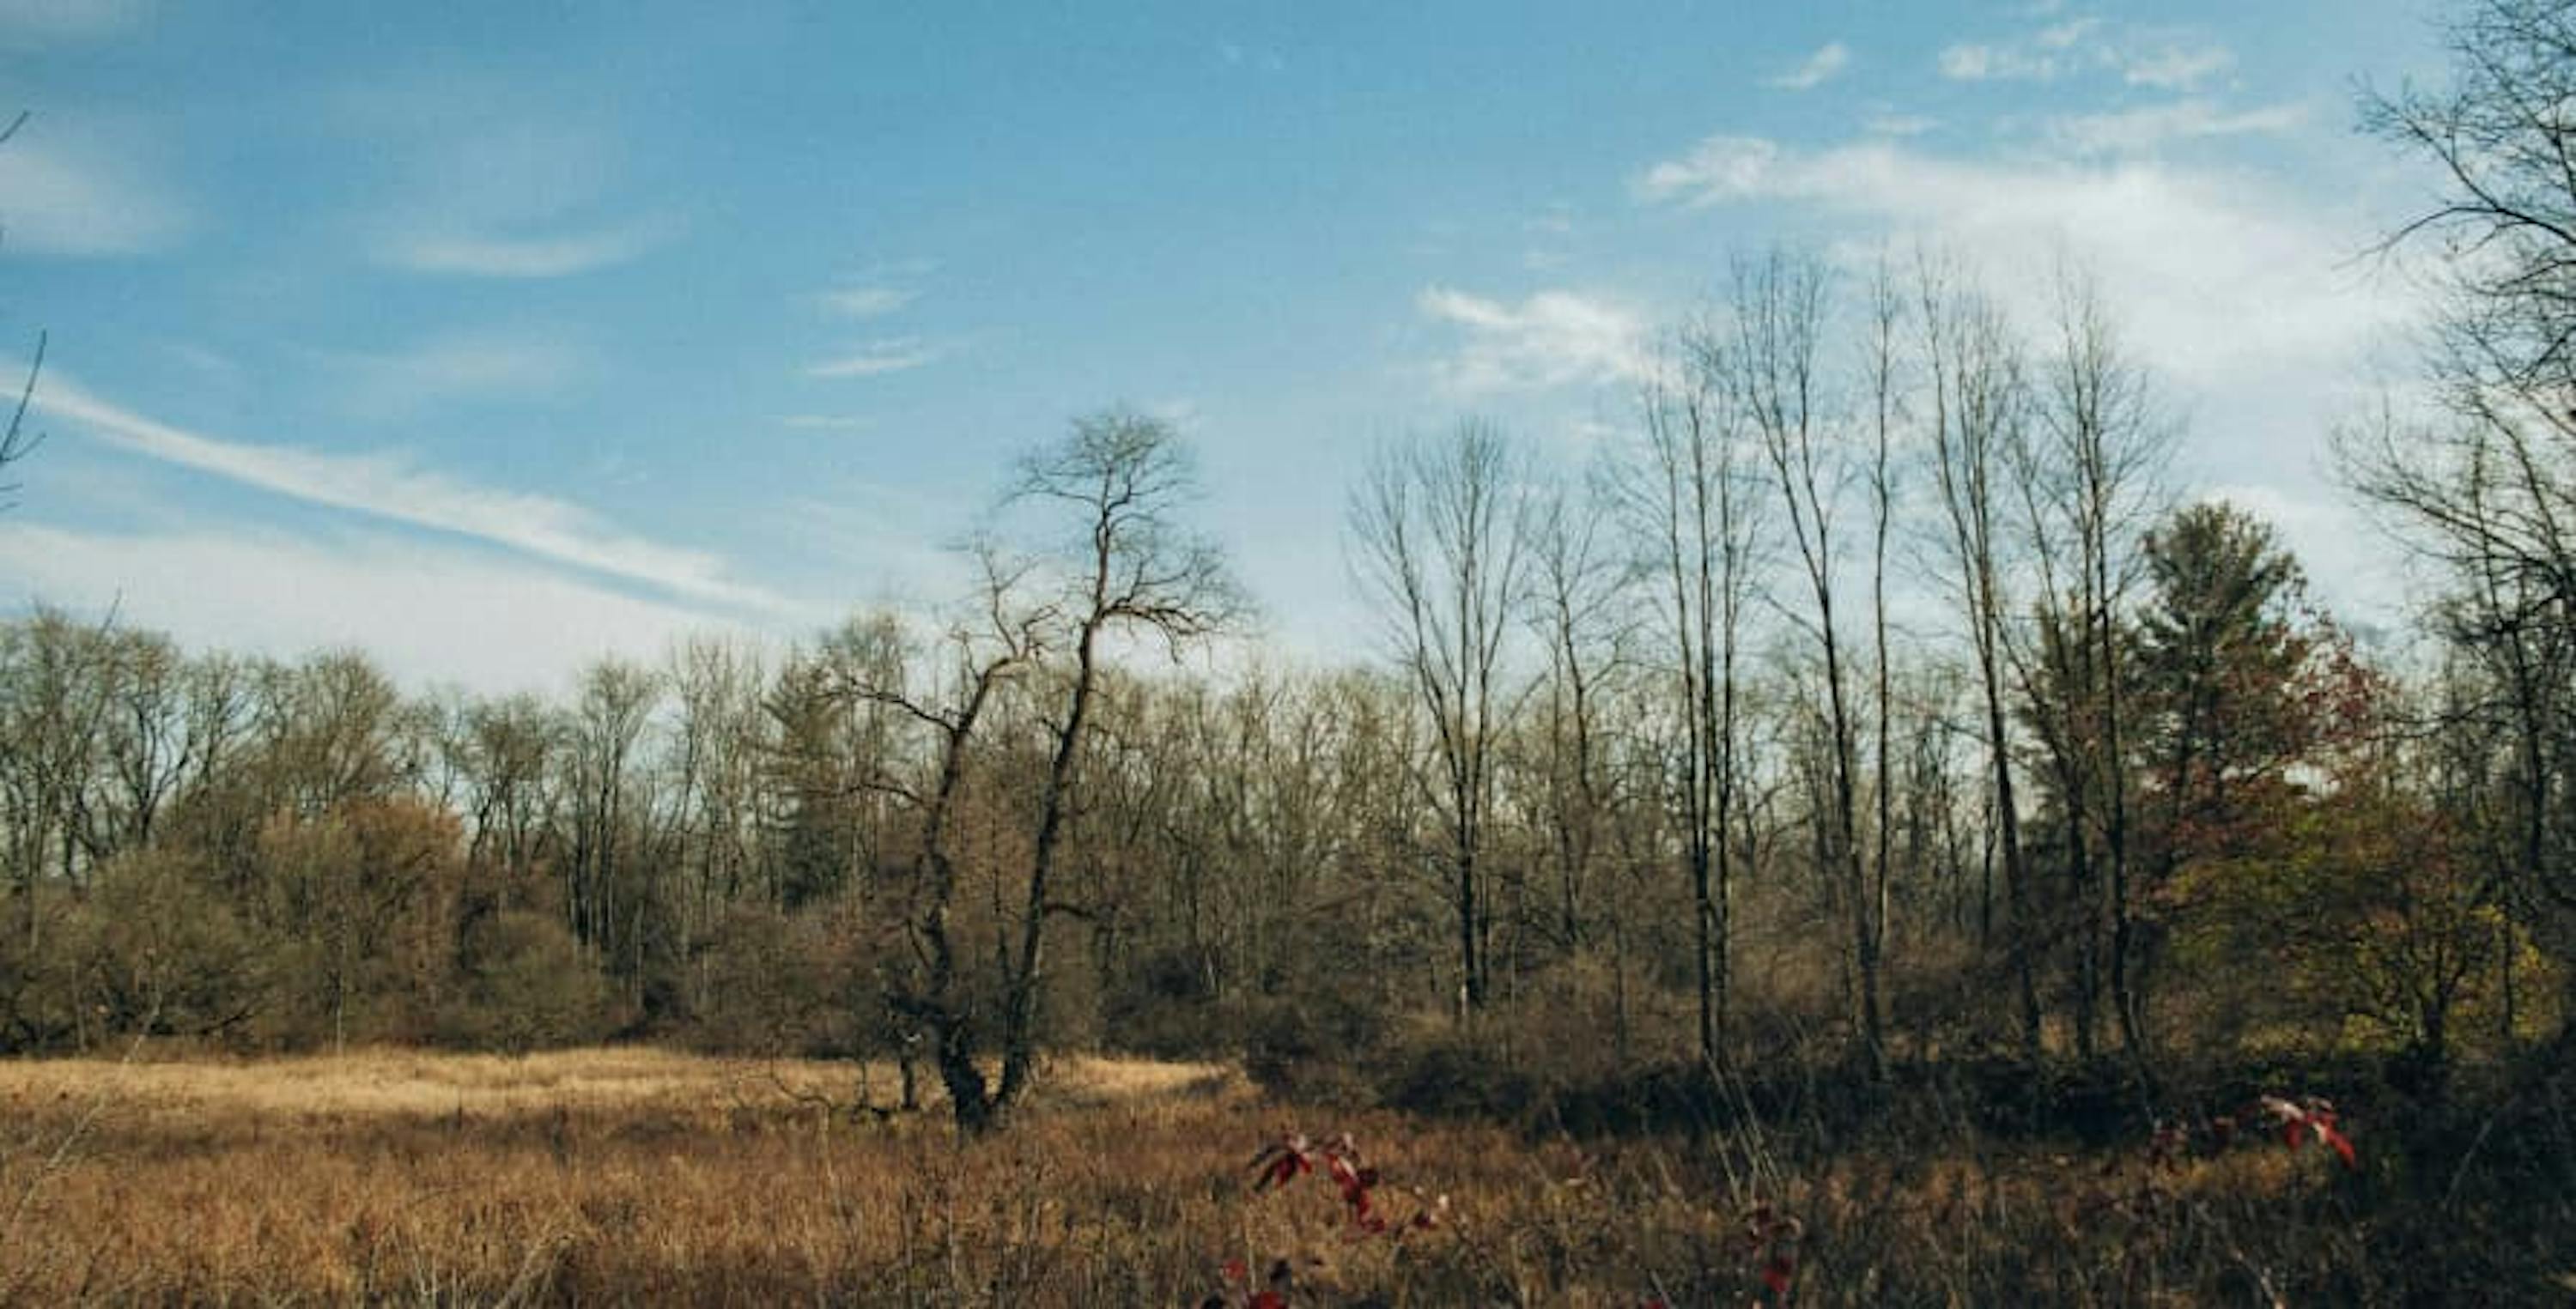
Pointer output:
x,y
2503,133
1125,474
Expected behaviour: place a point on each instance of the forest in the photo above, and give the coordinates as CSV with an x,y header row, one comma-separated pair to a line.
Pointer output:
x,y
1875,730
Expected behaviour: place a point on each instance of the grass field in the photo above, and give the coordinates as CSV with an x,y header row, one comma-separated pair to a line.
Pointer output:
x,y
619,1176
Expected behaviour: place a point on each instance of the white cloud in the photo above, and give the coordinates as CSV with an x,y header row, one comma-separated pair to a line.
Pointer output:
x,y
1816,69
868,301
2162,59
429,614
555,254
2217,276
389,486
79,197
2241,296
1718,169
1552,338
2066,35
827,422
2133,131
877,358
1901,124
2177,67
1971,62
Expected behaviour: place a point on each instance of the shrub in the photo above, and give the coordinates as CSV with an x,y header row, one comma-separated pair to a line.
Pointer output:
x,y
161,951
1456,1072
525,986
774,982
1308,1049
1162,1006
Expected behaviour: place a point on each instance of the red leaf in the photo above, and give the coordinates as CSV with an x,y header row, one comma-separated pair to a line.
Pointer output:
x,y
1280,1164
1268,1300
1347,1177
2342,1146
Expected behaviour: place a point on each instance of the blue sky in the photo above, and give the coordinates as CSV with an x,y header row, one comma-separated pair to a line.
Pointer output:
x,y
494,337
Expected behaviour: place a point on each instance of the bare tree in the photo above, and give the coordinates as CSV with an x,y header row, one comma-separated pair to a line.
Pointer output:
x,y
56,702
1775,373
2502,137
1132,568
1883,365
17,440
2489,492
605,883
1579,590
1438,530
1002,641
1691,506
1978,398
2090,485
1122,565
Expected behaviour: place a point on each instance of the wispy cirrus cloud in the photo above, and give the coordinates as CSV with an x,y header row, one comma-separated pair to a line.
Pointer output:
x,y
2179,66
868,301
2139,56
2143,129
557,253
392,487
1815,70
1901,124
2048,53
827,422
878,358
1549,339
430,614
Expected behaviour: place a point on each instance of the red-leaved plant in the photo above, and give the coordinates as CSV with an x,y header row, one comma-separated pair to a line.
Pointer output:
x,y
2308,1118
2311,1118
1768,1240
1238,1292
1296,1155
1293,1156
1771,1241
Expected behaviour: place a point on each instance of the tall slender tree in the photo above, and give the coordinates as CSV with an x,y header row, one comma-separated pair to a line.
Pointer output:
x,y
1438,531
1690,505
1776,374
1977,406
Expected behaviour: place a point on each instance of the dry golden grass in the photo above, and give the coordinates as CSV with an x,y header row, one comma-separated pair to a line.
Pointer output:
x,y
637,1176
400,1174
401,1082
